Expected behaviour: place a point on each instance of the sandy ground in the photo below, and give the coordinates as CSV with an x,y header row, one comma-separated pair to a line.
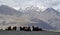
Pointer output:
x,y
28,33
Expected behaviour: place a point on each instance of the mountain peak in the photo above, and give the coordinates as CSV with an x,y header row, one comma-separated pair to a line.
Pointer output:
x,y
50,9
3,6
6,7
6,10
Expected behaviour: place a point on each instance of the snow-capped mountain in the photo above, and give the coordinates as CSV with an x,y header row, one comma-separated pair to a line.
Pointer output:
x,y
50,16
47,19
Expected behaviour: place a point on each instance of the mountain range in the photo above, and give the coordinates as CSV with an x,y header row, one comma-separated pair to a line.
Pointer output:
x,y
47,19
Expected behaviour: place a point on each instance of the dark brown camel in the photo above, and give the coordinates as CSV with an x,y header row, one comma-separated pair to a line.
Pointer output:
x,y
36,28
25,29
14,28
9,28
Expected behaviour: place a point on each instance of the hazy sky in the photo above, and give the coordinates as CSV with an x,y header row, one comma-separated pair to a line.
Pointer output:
x,y
25,3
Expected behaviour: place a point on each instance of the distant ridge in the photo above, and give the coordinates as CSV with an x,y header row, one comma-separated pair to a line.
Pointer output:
x,y
51,10
6,10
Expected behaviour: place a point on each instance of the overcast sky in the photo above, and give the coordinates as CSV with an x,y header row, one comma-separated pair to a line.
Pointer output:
x,y
25,3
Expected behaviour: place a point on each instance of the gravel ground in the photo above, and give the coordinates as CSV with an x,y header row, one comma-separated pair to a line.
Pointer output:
x,y
28,33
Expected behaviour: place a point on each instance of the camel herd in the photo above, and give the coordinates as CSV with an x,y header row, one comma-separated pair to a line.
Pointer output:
x,y
24,28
